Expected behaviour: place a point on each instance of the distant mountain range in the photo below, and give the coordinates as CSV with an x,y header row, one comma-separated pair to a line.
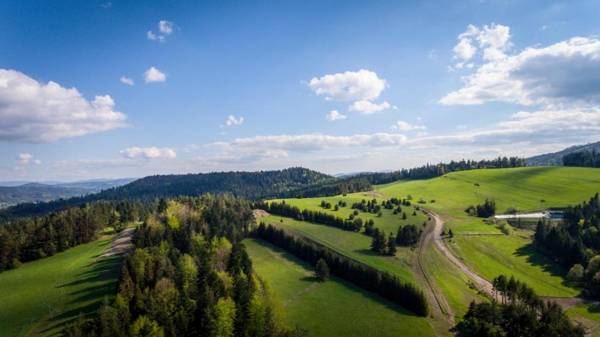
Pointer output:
x,y
17,192
555,158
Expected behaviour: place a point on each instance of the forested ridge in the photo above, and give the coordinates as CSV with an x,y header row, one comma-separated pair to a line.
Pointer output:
x,y
287,183
33,238
582,159
251,185
190,275
436,170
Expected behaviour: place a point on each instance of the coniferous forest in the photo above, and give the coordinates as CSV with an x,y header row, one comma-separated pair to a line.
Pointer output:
x,y
190,275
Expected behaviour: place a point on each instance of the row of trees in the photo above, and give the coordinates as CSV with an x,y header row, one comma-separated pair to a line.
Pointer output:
x,y
367,277
436,170
520,313
575,243
582,158
189,276
323,218
37,237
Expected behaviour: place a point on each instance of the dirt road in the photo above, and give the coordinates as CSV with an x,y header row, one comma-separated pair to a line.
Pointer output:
x,y
481,283
121,243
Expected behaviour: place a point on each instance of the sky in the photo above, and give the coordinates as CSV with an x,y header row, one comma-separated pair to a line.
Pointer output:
x,y
108,89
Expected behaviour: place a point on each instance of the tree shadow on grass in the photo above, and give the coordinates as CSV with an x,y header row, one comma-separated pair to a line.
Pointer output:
x,y
536,258
86,293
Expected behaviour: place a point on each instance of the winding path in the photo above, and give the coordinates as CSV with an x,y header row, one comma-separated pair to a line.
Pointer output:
x,y
481,283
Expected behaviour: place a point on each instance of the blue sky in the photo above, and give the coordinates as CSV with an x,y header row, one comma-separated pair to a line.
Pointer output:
x,y
223,85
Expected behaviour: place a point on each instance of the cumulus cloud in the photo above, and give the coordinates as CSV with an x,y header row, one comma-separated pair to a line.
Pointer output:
x,y
405,126
362,87
154,75
31,111
493,41
165,28
565,73
126,80
349,85
148,153
335,115
368,107
234,121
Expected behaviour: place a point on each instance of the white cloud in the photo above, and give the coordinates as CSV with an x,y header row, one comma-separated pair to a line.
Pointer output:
x,y
405,126
154,75
492,40
334,115
567,72
368,107
165,28
349,85
151,36
126,80
234,121
148,153
464,49
313,142
31,111
24,158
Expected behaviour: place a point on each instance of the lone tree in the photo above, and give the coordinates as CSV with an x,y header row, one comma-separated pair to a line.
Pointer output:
x,y
322,270
391,245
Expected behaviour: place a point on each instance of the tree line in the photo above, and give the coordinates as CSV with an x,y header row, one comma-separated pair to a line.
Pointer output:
x,y
575,243
189,275
582,158
382,283
520,312
37,237
436,170
318,217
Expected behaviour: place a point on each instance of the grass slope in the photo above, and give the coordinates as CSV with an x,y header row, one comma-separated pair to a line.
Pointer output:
x,y
332,308
351,244
41,296
529,188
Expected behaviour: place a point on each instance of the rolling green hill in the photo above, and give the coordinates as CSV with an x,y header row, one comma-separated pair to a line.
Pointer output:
x,y
332,308
525,189
40,296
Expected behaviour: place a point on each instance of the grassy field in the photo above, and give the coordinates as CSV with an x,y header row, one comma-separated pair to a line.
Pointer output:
x,y
354,245
525,189
332,308
41,296
388,221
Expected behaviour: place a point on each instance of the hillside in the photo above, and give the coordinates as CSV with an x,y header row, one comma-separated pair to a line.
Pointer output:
x,y
482,247
555,158
13,193
251,185
245,184
33,192
41,296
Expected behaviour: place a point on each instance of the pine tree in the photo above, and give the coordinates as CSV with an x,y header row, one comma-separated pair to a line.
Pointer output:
x,y
391,245
322,270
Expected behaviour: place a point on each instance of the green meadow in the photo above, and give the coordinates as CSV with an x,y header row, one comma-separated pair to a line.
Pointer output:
x,y
525,189
40,297
331,308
